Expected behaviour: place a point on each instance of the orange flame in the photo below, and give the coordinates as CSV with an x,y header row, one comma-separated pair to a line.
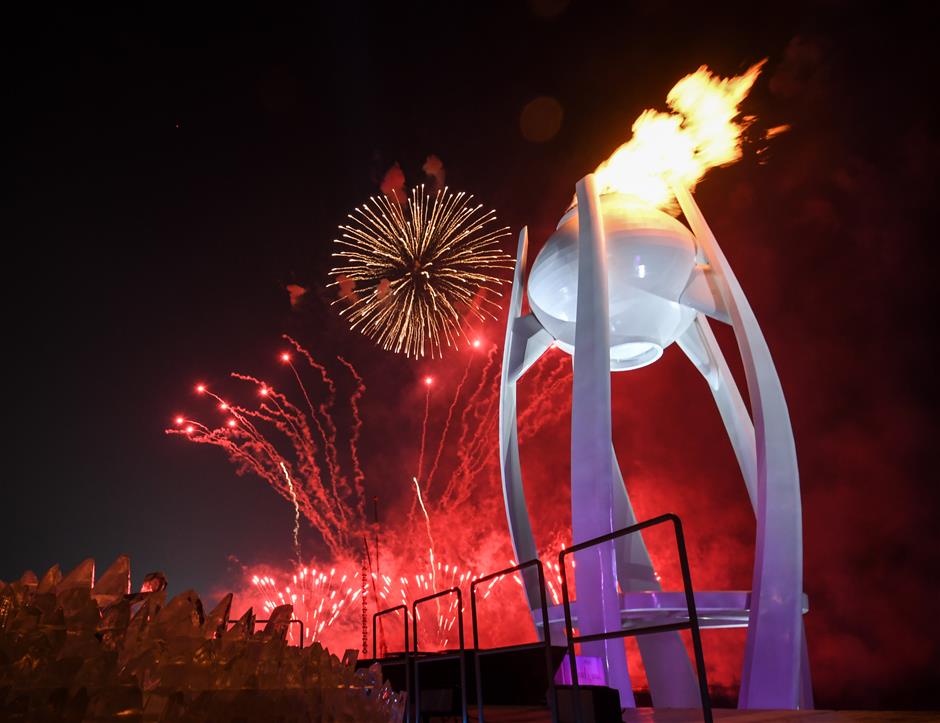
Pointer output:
x,y
701,132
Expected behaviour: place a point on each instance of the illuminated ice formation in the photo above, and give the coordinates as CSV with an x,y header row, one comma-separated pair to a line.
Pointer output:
x,y
77,648
617,283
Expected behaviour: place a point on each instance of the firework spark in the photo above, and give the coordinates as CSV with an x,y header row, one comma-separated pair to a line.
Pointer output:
x,y
273,430
420,268
319,599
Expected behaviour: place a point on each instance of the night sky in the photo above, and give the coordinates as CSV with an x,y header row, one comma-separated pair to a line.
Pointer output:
x,y
172,173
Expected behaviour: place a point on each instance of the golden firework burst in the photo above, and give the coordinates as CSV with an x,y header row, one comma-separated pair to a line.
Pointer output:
x,y
412,273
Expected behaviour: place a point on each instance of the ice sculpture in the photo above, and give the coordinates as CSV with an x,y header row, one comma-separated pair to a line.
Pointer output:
x,y
76,648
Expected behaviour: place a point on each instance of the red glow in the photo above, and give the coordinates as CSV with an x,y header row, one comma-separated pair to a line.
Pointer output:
x,y
285,357
453,463
179,420
223,406
200,388
476,343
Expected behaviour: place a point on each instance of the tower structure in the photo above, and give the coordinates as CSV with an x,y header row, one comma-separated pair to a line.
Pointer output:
x,y
617,283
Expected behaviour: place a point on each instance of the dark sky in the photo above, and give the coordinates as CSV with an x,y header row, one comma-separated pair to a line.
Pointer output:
x,y
172,172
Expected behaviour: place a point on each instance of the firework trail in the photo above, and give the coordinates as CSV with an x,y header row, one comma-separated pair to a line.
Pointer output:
x,y
358,475
475,446
450,414
255,439
424,423
280,442
548,403
293,497
255,443
324,420
427,523
476,458
418,267
288,419
427,518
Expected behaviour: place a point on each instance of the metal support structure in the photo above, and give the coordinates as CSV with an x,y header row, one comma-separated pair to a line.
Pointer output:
x,y
440,656
616,284
774,671
546,642
691,624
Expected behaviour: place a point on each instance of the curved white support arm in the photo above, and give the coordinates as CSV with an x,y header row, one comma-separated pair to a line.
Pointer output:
x,y
700,346
519,352
529,342
772,659
669,672
704,293
592,473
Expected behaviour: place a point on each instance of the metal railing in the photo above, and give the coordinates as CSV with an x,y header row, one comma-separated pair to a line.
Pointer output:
x,y
691,624
388,611
546,643
387,658
440,656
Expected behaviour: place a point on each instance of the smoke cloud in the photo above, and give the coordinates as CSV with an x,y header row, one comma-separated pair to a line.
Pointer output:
x,y
296,294
434,169
393,183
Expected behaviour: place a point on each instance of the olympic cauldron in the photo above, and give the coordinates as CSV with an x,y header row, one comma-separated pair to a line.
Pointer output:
x,y
615,284
650,258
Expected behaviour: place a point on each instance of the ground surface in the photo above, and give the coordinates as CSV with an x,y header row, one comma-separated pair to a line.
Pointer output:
x,y
651,715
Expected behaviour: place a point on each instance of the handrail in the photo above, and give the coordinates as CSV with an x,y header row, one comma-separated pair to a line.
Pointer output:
x,y
692,624
375,617
417,660
387,611
552,700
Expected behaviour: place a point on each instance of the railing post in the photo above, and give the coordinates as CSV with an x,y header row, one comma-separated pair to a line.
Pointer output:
x,y
462,655
476,650
569,637
405,659
692,625
547,638
693,618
